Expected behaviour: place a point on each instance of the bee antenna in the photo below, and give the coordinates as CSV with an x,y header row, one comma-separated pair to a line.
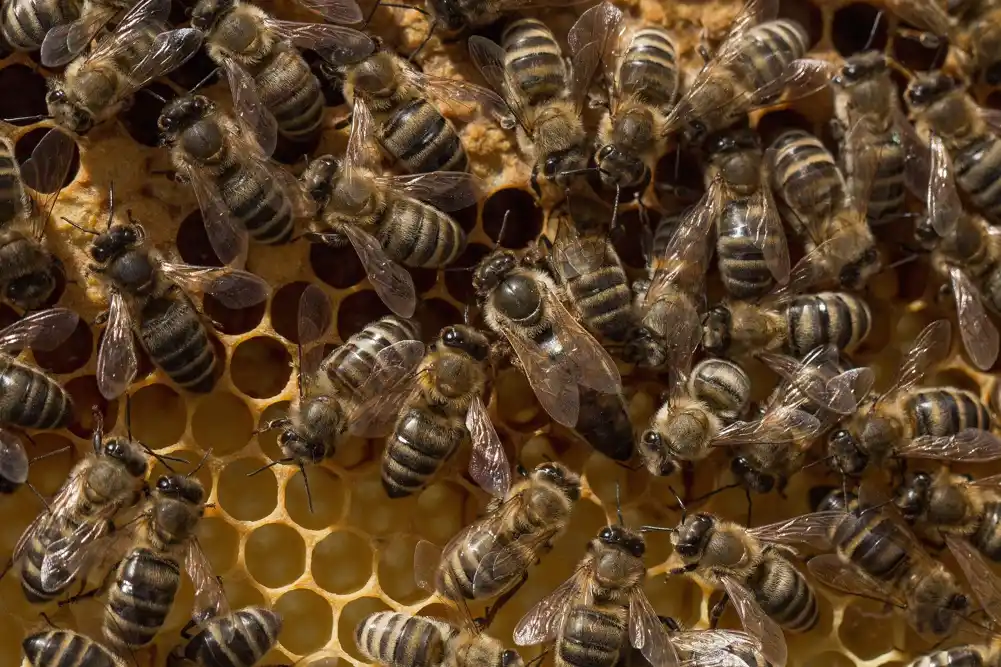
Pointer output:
x,y
872,32
48,454
500,235
431,27
35,118
657,529
39,495
305,482
204,80
155,96
82,229
537,659
200,463
111,203
618,503
272,464
615,210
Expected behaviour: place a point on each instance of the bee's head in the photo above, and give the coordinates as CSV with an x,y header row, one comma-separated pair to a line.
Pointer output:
x,y
845,453
619,168
492,271
116,241
913,496
692,536
731,141
206,13
623,538
318,178
449,14
466,339
653,451
66,110
183,487
716,334
126,453
184,112
860,67
927,88
557,473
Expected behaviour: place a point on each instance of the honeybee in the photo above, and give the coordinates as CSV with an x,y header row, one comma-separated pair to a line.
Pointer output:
x,y
759,59
97,86
978,655
57,547
939,104
239,192
591,614
441,408
490,557
27,269
149,298
65,40
388,219
603,422
238,639
522,303
928,423
457,16
978,38
333,389
274,89
65,648
750,243
717,647
396,639
966,252
403,104
545,96
26,22
877,556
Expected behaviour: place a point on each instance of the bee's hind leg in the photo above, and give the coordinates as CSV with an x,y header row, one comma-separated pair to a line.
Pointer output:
x,y
502,600
718,610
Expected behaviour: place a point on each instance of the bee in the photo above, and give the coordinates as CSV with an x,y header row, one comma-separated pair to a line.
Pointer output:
x,y
65,648
404,106
443,407
81,22
545,96
643,87
238,190
759,59
966,252
975,655
338,394
604,423
27,269
939,104
26,22
388,220
149,298
455,17
490,557
97,86
56,549
396,639
717,647
753,568
877,555
942,423
522,303
978,37
274,89
591,614
238,639
750,243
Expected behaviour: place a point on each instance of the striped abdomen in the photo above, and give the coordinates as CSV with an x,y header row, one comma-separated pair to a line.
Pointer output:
x,y
988,535
260,204
240,639
424,438
957,656
416,234
534,62
944,411
140,598
806,177
723,385
350,365
648,68
784,594
592,636
766,51
417,136
173,335
604,301
13,199
401,640
290,91
25,23
978,174
65,648
873,543
34,556
31,399
742,265
835,318
887,193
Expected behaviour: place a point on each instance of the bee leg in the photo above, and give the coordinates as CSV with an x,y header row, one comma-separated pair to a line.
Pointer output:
x,y
188,627
717,611
502,600
683,570
101,318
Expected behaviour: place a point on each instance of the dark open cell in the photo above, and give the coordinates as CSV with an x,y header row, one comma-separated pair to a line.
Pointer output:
x,y
199,71
853,29
193,243
331,85
27,143
424,279
773,124
807,15
434,315
338,267
680,174
30,97
915,56
993,100
627,239
459,276
524,223
290,152
357,310
71,355
260,367
86,396
285,310
234,321
140,119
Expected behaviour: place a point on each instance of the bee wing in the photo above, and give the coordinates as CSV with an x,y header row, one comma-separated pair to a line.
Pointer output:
x,y
393,367
210,598
445,190
314,318
488,464
334,43
832,572
984,583
714,648
170,50
66,558
13,460
542,622
841,393
573,255
591,40
41,330
944,206
647,633
234,288
67,497
46,170
990,480
929,349
455,93
980,336
554,384
393,283
928,16
427,561
811,530
592,366
972,445
785,424
336,11
227,236
757,623
65,42
361,152
117,363
489,59
800,78
499,568
253,115
769,235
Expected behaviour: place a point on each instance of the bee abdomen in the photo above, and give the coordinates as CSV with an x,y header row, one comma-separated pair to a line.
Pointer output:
x,y
140,598
785,595
943,411
420,444
424,141
173,335
988,535
888,189
742,263
828,317
957,656
649,67
13,199
534,61
768,50
261,206
392,638
292,93
25,24
604,300
978,173
806,175
871,542
31,399
351,364
416,234
591,637
724,386
65,648
240,639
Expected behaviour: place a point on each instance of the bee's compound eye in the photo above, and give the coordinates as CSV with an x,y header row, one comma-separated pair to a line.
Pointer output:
x,y
451,337
651,437
164,484
606,534
604,152
510,658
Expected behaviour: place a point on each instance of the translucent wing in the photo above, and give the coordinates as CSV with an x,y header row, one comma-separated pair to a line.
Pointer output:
x,y
715,648
591,38
227,236
554,384
831,571
334,43
427,560
13,460
593,366
944,205
210,598
65,42
360,152
542,622
574,256
234,288
768,234
335,11
117,363
169,51
68,496
314,318
983,582
816,376
990,480
980,336
489,59
820,266
393,366
391,282
488,465
47,168
786,424
445,190
461,95
925,15
929,348
500,568
971,445
811,530
647,633
249,109
66,558
799,79
42,330
757,623
142,12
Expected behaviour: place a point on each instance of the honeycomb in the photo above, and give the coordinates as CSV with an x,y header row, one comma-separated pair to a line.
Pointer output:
x,y
353,555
